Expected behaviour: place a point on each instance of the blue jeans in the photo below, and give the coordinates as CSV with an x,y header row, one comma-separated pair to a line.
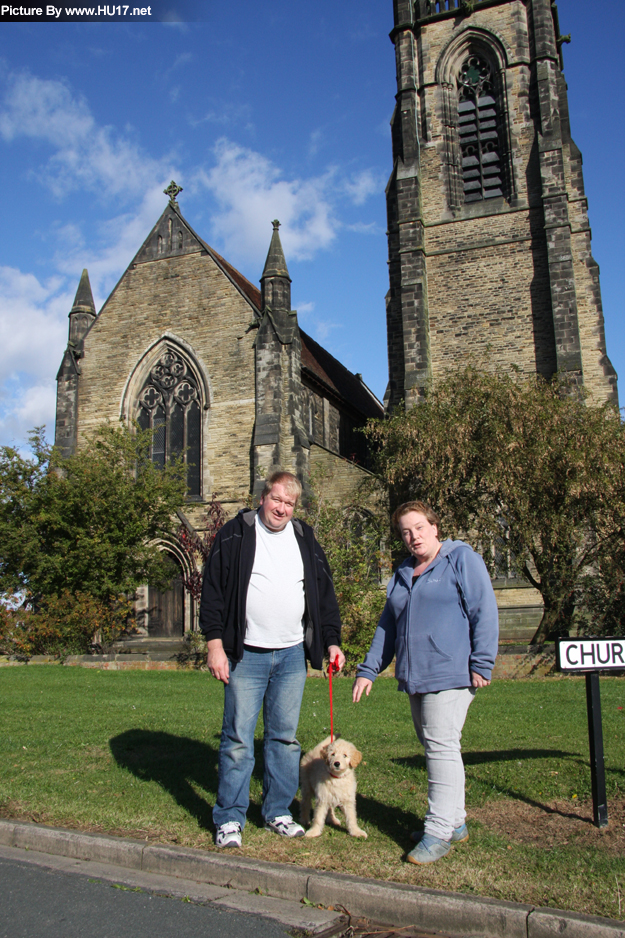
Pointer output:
x,y
273,679
438,719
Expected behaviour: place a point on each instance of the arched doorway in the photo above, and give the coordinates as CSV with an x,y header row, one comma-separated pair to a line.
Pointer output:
x,y
166,607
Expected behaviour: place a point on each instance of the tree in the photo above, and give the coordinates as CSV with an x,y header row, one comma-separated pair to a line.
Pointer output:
x,y
89,523
523,458
352,537
197,546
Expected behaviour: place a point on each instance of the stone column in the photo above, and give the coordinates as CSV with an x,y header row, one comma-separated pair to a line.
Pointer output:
x,y
81,316
406,307
280,437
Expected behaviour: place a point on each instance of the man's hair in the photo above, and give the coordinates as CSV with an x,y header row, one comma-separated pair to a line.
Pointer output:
x,y
421,507
290,482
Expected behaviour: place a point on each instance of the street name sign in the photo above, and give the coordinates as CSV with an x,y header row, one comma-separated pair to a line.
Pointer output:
x,y
591,654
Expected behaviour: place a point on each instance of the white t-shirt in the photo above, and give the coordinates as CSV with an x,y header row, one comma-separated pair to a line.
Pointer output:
x,y
275,595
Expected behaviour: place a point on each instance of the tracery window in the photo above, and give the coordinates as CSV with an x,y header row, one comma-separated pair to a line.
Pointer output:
x,y
170,406
478,130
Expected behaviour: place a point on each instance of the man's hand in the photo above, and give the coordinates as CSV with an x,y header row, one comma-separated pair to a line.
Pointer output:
x,y
333,652
360,684
217,660
478,681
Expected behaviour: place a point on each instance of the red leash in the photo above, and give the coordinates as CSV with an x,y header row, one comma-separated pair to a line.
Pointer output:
x,y
332,666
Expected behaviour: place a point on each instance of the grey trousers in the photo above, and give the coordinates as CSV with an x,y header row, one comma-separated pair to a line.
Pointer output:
x,y
439,718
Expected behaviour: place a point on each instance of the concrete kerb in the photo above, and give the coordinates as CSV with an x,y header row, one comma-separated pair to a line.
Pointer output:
x,y
429,909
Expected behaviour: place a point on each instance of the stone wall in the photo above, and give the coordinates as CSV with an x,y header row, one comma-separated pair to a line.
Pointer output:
x,y
507,281
188,301
338,475
520,611
514,661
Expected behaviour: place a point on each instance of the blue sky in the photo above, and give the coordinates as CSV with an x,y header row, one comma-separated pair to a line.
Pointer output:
x,y
264,110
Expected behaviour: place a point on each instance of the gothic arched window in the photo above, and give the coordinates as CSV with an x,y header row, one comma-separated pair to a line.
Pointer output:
x,y
479,131
170,406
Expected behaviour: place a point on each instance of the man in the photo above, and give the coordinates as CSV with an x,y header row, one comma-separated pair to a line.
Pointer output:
x,y
268,603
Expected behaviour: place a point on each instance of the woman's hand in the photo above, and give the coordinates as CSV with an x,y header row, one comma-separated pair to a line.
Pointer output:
x,y
360,684
478,681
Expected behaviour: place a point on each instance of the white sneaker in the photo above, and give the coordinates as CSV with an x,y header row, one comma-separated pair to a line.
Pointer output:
x,y
228,835
285,826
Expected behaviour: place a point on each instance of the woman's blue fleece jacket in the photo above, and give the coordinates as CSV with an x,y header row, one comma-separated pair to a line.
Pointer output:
x,y
440,628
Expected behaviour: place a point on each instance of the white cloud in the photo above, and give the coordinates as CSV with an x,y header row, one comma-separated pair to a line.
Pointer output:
x,y
182,59
250,191
320,329
33,318
361,227
227,114
120,239
316,141
172,19
36,407
87,155
33,334
364,184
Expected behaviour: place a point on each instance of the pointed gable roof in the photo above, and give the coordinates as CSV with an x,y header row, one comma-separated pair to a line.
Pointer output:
x,y
173,236
320,366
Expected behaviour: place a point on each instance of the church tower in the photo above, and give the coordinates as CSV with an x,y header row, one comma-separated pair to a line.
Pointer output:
x,y
489,241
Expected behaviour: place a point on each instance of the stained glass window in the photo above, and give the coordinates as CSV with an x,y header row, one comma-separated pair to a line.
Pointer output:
x,y
478,130
170,405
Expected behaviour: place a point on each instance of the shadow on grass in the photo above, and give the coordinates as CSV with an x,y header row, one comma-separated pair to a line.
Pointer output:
x,y
395,823
174,762
500,755
510,755
177,763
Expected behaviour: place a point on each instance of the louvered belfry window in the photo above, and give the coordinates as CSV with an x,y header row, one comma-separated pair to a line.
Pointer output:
x,y
169,405
480,144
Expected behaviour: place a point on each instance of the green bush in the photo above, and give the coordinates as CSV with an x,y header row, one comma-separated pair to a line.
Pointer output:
x,y
69,624
91,522
353,538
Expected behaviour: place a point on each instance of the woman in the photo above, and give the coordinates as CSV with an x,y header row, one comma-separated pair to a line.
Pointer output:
x,y
440,621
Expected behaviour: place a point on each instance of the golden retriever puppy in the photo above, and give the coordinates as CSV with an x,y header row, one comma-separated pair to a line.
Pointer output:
x,y
327,773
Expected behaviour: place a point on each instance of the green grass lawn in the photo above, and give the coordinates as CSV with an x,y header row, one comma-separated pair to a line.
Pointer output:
x,y
135,753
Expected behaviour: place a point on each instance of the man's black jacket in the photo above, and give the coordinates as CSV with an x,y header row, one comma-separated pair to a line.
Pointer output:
x,y
227,576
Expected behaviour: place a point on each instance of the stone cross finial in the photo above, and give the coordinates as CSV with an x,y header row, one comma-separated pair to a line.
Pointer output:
x,y
172,191
276,224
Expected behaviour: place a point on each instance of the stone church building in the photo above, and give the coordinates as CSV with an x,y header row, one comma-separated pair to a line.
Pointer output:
x,y
489,261
220,372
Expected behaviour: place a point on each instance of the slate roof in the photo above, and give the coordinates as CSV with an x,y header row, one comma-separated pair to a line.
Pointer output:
x,y
251,292
323,367
316,361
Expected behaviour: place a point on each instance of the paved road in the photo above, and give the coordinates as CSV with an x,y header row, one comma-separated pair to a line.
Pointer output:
x,y
39,902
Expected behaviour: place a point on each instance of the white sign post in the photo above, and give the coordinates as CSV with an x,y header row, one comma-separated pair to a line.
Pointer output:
x,y
589,656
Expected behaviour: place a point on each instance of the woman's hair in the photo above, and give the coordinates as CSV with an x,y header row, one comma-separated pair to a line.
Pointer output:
x,y
421,507
290,482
